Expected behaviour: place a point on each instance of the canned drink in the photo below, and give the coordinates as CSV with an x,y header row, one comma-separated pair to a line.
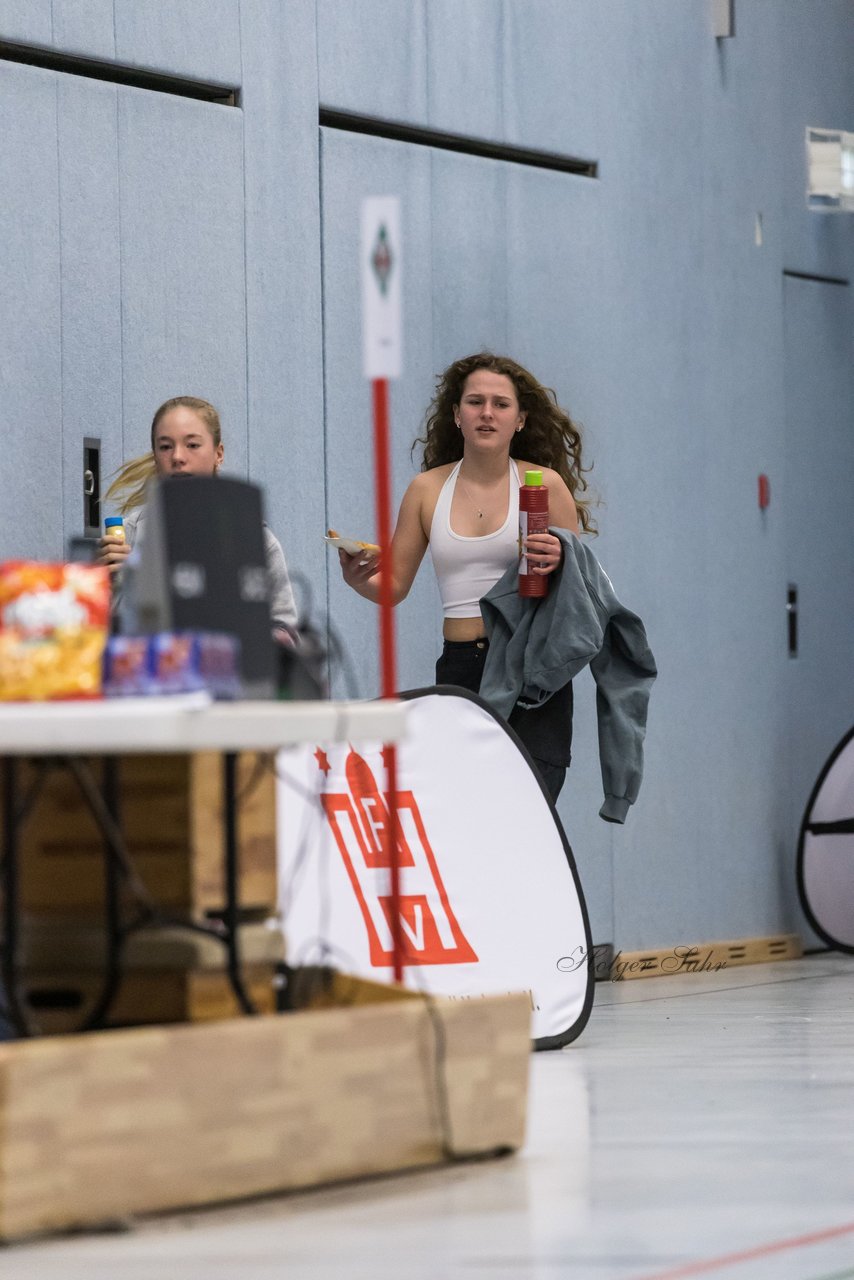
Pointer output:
x,y
114,527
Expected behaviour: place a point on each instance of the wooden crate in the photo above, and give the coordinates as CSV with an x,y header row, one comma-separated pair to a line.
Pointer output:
x,y
58,1003
168,975
171,809
100,1126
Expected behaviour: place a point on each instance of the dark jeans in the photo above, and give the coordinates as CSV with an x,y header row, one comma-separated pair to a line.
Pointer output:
x,y
545,731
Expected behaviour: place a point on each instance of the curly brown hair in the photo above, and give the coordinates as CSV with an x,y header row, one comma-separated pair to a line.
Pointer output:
x,y
549,436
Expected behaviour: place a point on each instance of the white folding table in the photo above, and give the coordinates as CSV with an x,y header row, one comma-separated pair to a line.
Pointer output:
x,y
127,726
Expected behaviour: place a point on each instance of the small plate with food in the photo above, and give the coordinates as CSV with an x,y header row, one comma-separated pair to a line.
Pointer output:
x,y
351,545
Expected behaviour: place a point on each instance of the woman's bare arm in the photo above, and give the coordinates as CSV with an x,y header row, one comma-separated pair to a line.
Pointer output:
x,y
562,509
408,545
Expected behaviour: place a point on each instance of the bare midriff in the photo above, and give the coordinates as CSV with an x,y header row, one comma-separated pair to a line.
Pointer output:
x,y
461,629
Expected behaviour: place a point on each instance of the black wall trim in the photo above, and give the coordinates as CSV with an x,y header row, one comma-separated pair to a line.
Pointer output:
x,y
117,73
350,122
805,275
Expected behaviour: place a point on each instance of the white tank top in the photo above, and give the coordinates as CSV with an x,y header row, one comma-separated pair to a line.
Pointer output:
x,y
466,568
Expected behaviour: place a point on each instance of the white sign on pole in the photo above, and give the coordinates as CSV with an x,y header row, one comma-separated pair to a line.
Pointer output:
x,y
381,262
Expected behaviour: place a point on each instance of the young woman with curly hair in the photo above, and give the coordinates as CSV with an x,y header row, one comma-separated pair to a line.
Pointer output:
x,y
490,421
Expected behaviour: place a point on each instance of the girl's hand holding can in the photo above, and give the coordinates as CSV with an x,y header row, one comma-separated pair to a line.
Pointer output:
x,y
112,552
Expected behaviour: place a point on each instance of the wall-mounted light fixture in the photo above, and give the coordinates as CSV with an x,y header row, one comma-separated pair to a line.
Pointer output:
x,y
830,170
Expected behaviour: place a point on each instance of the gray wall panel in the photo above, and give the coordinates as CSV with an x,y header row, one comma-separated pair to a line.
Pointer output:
x,y
183,280
284,322
350,172
818,483
644,297
645,319
469,256
84,26
816,68
465,66
28,23
30,375
182,37
553,281
740,394
372,57
554,74
91,283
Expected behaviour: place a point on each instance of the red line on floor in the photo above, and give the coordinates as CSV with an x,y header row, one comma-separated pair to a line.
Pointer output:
x,y
747,1255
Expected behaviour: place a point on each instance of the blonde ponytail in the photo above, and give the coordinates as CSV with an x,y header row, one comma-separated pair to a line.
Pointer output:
x,y
132,481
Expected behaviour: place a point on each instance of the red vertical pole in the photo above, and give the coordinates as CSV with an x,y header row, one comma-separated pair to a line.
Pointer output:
x,y
388,665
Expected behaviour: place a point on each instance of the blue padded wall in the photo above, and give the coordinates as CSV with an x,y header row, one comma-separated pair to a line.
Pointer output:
x,y
818,481
553,270
284,349
30,319
91,284
181,38
815,64
465,72
350,172
29,23
85,25
155,244
652,300
372,58
183,280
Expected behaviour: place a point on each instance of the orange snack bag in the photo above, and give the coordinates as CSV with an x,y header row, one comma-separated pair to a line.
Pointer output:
x,y
54,622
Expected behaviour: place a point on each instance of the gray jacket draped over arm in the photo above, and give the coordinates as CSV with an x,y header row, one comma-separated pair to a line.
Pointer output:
x,y
537,646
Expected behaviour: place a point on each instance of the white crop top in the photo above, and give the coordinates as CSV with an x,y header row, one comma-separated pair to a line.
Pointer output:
x,y
466,568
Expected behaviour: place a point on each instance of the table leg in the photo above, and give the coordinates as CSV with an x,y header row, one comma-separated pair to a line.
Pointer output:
x,y
231,915
10,891
115,932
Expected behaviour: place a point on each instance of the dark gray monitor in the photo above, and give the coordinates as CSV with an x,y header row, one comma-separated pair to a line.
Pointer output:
x,y
203,567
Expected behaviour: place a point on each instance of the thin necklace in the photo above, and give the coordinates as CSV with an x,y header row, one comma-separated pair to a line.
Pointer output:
x,y
468,492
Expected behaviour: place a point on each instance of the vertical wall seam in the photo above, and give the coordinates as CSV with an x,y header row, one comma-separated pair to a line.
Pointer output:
x,y
246,374
62,441
121,263
426,29
505,69
506,175
323,381
431,160
325,397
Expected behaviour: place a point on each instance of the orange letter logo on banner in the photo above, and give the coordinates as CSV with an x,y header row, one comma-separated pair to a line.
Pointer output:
x,y
358,818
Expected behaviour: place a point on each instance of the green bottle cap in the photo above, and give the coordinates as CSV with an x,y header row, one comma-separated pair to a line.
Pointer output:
x,y
534,478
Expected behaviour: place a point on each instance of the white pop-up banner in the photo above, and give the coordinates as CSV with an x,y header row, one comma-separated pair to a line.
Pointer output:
x,y
489,894
826,850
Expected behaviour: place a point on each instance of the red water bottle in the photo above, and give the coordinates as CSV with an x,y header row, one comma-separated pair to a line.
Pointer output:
x,y
533,518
